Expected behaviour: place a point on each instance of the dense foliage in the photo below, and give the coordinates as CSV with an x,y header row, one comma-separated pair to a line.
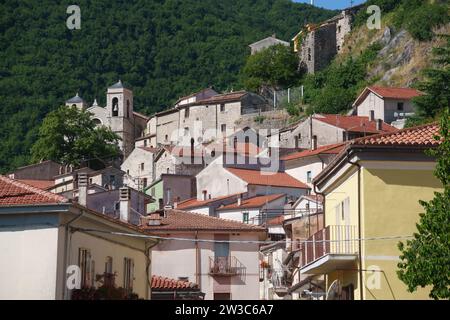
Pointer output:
x,y
334,89
162,49
276,67
425,260
418,17
69,136
436,87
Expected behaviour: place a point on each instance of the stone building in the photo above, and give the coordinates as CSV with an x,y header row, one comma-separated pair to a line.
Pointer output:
x,y
118,115
266,43
204,120
325,129
318,44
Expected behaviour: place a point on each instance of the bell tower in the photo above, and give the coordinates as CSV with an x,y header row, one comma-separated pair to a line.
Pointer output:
x,y
77,102
119,106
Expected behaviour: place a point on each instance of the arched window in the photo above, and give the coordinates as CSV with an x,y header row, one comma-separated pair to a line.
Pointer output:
x,y
97,121
128,108
192,150
74,105
115,107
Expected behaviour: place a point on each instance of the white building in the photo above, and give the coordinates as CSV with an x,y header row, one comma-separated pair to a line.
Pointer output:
x,y
43,234
139,167
386,103
223,270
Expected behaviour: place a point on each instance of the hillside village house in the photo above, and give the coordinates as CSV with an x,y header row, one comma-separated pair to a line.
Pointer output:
x,y
169,190
139,167
118,115
266,43
217,114
222,270
386,103
326,129
43,233
305,165
364,189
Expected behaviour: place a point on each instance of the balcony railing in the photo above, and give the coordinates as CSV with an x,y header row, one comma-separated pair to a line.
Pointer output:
x,y
339,239
226,266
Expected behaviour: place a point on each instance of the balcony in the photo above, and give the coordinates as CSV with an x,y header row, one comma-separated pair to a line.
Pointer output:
x,y
226,266
332,248
279,281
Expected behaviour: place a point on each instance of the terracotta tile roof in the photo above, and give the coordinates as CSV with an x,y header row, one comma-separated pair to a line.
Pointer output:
x,y
177,220
225,97
278,179
354,123
255,202
420,137
416,136
13,192
194,203
166,284
275,221
41,184
328,149
395,93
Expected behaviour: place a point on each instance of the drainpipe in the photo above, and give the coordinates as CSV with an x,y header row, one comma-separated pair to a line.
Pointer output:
x,y
361,290
197,261
148,258
66,251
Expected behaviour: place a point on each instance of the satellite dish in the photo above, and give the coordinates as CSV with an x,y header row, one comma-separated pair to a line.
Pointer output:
x,y
334,291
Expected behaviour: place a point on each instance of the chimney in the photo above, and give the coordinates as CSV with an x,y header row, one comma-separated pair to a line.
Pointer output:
x,y
154,219
371,115
125,205
314,143
379,124
239,200
82,189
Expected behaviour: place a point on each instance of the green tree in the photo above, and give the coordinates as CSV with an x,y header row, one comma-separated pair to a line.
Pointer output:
x,y
276,67
436,87
425,260
69,136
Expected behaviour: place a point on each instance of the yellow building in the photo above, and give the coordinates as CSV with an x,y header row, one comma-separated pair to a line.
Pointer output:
x,y
372,191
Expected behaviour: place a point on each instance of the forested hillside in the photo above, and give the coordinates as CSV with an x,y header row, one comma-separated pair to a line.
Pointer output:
x,y
162,49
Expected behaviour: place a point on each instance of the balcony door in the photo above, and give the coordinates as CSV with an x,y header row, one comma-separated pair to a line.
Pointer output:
x,y
221,254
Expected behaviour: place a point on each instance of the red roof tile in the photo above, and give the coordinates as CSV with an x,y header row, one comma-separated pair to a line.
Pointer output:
x,y
177,220
328,149
13,192
166,284
275,221
255,202
416,136
354,123
41,184
277,179
395,93
194,203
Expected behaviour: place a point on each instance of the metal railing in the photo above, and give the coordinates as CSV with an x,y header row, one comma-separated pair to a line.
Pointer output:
x,y
279,279
337,239
226,266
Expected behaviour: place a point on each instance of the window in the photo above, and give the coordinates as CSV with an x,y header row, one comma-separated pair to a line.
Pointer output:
x,y
128,274
245,217
168,195
205,194
128,108
112,180
128,171
145,182
309,54
309,176
166,138
223,127
142,166
186,113
115,107
222,107
145,143
90,180
161,204
186,131
109,265
87,267
339,29
400,106
307,206
168,171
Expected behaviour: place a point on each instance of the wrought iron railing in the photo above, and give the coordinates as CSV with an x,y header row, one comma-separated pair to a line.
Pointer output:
x,y
337,239
226,266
